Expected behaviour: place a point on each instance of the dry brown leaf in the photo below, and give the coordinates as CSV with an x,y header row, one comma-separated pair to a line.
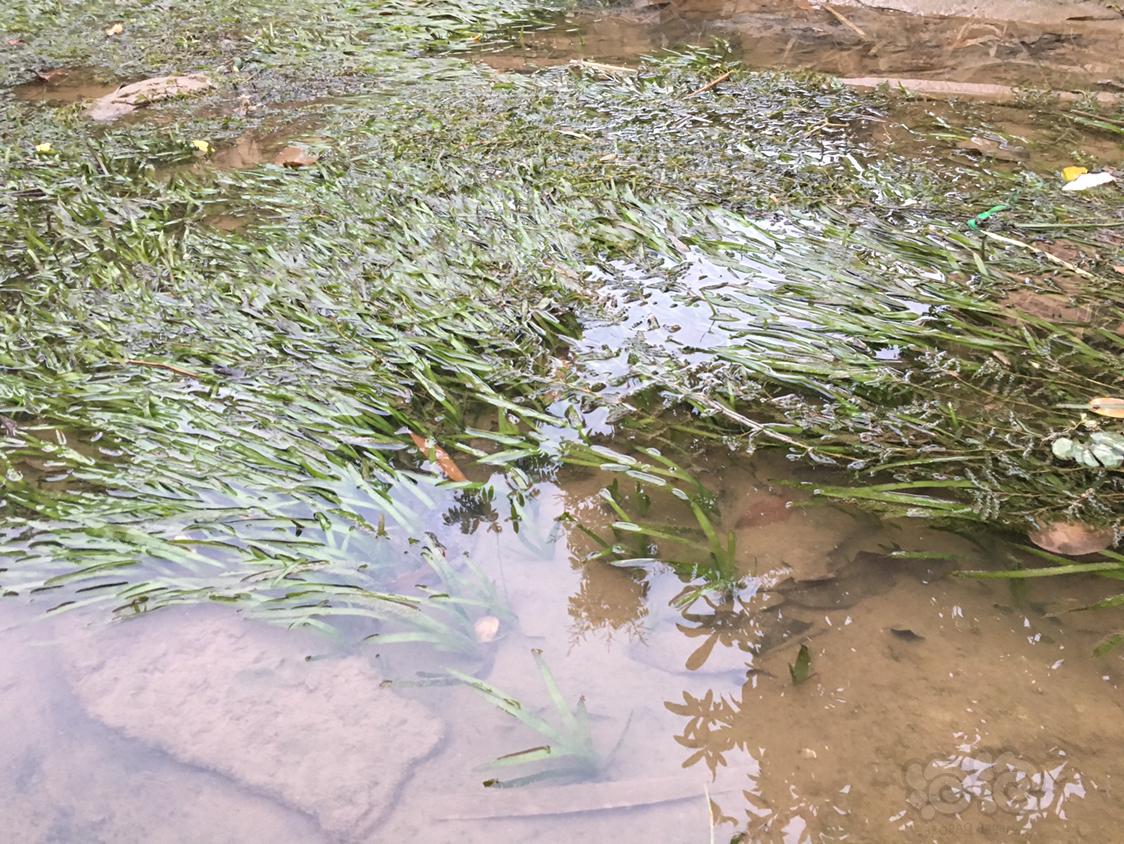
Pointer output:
x,y
131,97
295,157
1073,539
487,627
1107,406
439,456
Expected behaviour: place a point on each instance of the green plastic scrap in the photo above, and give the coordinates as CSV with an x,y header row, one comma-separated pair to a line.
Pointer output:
x,y
983,216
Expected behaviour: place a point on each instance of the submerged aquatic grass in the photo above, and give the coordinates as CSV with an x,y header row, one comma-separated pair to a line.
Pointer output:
x,y
251,398
570,751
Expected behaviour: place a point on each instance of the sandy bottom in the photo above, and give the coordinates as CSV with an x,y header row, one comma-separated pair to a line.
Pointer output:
x,y
938,708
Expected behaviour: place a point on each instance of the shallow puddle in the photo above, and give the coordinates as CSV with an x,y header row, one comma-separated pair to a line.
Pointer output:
x,y
63,86
996,137
849,41
937,707
684,644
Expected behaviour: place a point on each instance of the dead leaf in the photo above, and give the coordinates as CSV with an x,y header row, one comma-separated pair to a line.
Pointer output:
x,y
439,456
116,29
295,157
131,97
1106,406
487,627
1073,539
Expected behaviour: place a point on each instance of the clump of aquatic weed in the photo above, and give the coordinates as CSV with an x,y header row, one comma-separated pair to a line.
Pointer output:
x,y
569,751
252,395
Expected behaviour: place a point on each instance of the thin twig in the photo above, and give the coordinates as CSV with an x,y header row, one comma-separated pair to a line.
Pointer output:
x,y
717,80
983,90
1092,224
155,364
835,13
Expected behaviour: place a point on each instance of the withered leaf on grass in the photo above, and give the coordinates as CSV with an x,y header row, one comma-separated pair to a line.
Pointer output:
x,y
1074,539
1107,406
438,455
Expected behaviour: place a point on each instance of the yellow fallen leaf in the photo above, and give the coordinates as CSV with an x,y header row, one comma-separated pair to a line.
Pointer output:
x,y
116,29
202,146
1106,406
1071,173
44,148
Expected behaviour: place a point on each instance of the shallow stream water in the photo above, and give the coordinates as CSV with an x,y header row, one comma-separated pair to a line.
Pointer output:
x,y
938,707
996,44
852,688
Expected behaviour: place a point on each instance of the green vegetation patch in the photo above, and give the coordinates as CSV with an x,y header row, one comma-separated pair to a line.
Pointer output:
x,y
195,410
